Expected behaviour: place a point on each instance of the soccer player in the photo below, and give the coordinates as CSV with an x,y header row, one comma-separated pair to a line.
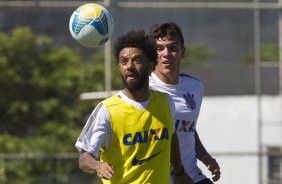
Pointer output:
x,y
187,93
127,138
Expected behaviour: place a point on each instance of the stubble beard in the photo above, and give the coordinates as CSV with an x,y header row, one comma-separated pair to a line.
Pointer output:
x,y
141,82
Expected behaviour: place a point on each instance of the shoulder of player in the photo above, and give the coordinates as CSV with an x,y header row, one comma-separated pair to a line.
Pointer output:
x,y
188,77
184,78
97,109
112,101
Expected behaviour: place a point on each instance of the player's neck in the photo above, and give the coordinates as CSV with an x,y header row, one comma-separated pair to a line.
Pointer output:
x,y
168,78
141,95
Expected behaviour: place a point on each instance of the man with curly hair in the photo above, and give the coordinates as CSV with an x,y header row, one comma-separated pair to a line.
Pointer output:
x,y
128,137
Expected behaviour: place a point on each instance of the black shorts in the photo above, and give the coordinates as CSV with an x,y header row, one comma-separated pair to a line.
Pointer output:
x,y
205,181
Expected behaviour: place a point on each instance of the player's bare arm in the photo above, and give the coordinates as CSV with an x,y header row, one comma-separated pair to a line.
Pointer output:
x,y
206,158
199,147
90,165
178,171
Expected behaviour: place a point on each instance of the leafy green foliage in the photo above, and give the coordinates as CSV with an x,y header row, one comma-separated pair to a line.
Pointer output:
x,y
41,82
41,112
268,53
197,55
55,139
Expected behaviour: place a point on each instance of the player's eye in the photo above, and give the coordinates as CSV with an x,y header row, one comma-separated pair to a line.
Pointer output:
x,y
138,60
123,61
159,48
173,48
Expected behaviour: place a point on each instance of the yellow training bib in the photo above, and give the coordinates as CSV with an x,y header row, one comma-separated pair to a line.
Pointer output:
x,y
140,141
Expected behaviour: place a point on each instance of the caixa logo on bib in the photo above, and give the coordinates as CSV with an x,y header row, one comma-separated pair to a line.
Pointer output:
x,y
145,136
185,126
189,99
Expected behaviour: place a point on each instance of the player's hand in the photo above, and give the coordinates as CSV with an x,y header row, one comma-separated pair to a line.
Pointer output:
x,y
213,167
104,170
182,179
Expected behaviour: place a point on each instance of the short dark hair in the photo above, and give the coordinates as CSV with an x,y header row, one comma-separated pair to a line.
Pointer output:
x,y
167,29
136,39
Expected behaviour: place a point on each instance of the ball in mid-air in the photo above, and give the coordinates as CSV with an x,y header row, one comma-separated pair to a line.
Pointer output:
x,y
91,25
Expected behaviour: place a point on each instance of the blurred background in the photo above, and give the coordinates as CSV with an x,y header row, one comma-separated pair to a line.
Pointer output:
x,y
49,84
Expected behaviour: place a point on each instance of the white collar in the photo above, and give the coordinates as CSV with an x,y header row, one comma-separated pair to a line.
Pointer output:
x,y
156,78
138,105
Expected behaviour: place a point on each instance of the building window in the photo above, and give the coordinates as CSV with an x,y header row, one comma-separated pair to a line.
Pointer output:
x,y
275,165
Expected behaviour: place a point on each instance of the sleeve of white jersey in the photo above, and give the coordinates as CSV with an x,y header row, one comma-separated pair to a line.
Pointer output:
x,y
96,132
172,108
201,91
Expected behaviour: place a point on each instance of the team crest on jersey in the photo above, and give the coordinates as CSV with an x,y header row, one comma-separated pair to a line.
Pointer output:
x,y
189,99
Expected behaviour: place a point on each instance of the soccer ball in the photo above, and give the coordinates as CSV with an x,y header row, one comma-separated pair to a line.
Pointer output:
x,y
91,25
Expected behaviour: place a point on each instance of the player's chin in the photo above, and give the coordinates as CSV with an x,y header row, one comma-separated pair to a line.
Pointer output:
x,y
132,84
167,70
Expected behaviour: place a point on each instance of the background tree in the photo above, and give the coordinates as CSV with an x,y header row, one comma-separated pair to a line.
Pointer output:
x,y
41,82
268,53
197,55
39,104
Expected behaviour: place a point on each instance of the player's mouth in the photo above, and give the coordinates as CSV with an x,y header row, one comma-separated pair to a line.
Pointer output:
x,y
167,63
131,76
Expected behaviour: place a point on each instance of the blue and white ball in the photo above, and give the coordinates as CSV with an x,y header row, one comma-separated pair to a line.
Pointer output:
x,y
91,25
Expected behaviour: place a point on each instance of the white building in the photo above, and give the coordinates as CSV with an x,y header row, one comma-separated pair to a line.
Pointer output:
x,y
234,129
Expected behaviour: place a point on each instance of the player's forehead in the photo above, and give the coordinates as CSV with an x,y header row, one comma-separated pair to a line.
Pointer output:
x,y
129,52
166,41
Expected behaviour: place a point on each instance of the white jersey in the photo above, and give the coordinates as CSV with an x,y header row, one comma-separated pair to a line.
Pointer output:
x,y
187,96
97,130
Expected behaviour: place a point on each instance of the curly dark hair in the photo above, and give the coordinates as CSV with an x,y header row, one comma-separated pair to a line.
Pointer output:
x,y
137,39
167,29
